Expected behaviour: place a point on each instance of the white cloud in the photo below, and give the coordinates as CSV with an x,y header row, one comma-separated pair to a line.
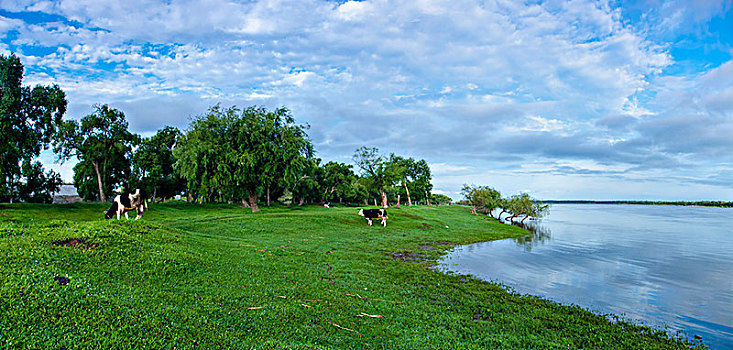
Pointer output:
x,y
465,79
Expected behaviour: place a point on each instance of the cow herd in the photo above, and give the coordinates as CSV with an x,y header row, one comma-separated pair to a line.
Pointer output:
x,y
129,201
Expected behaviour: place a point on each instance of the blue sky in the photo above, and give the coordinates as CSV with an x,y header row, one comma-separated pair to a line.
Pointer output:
x,y
561,99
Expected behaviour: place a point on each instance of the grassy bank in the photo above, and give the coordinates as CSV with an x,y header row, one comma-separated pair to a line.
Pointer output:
x,y
217,276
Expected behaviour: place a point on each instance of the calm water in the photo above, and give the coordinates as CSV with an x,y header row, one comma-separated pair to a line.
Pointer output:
x,y
661,266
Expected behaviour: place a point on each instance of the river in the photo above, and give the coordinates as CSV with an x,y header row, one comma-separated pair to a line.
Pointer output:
x,y
667,267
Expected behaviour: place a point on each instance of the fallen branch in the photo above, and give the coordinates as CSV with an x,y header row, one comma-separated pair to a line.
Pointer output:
x,y
255,308
358,296
344,328
368,315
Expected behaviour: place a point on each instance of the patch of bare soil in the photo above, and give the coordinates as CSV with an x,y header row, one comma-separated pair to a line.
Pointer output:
x,y
408,257
419,255
78,243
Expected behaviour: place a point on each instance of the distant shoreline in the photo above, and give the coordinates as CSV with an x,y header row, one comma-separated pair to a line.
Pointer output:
x,y
720,204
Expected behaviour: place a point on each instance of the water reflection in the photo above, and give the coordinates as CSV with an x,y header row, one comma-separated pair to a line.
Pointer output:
x,y
539,235
659,265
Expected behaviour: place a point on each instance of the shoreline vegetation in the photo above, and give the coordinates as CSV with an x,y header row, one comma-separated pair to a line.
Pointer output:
x,y
720,204
220,276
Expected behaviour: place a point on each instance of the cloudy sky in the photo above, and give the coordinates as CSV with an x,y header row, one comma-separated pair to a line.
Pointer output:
x,y
562,99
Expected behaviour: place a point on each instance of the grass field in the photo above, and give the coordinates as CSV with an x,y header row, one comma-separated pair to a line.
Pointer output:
x,y
217,276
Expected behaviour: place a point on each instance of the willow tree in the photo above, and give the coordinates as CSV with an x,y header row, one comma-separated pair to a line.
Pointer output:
x,y
240,153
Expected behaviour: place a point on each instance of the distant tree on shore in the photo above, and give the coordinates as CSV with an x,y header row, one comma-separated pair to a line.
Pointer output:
x,y
440,198
485,199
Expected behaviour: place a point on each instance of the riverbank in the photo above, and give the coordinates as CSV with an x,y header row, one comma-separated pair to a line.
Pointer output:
x,y
307,278
717,204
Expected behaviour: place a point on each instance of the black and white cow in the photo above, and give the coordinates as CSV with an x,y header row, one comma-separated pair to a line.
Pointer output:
x,y
125,202
370,214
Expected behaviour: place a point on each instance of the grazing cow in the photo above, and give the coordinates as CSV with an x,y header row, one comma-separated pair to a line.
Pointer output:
x,y
370,214
125,202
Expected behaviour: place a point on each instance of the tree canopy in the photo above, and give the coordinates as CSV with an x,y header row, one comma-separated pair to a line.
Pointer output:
x,y
28,122
103,144
152,165
240,153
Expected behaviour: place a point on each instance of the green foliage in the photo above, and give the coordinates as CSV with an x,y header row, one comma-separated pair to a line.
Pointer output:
x,y
337,178
103,145
214,277
484,199
38,187
286,198
28,121
375,169
523,205
152,165
236,154
440,198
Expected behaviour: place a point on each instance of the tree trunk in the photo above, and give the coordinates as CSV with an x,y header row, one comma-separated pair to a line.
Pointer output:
x,y
398,201
253,202
409,201
268,195
102,198
427,198
244,203
189,197
375,202
384,198
365,203
524,218
155,192
301,201
502,212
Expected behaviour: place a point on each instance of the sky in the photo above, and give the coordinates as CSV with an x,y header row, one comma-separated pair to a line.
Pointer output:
x,y
604,100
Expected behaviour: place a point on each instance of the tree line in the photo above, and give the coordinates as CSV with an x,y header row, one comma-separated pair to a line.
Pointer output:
x,y
487,200
225,155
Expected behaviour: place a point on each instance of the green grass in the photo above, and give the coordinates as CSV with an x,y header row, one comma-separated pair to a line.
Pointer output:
x,y
217,276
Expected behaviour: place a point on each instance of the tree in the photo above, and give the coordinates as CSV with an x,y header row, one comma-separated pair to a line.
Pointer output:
x,y
484,199
38,187
152,165
308,185
283,145
28,122
103,144
419,172
240,153
200,151
374,168
526,206
440,198
336,179
400,168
